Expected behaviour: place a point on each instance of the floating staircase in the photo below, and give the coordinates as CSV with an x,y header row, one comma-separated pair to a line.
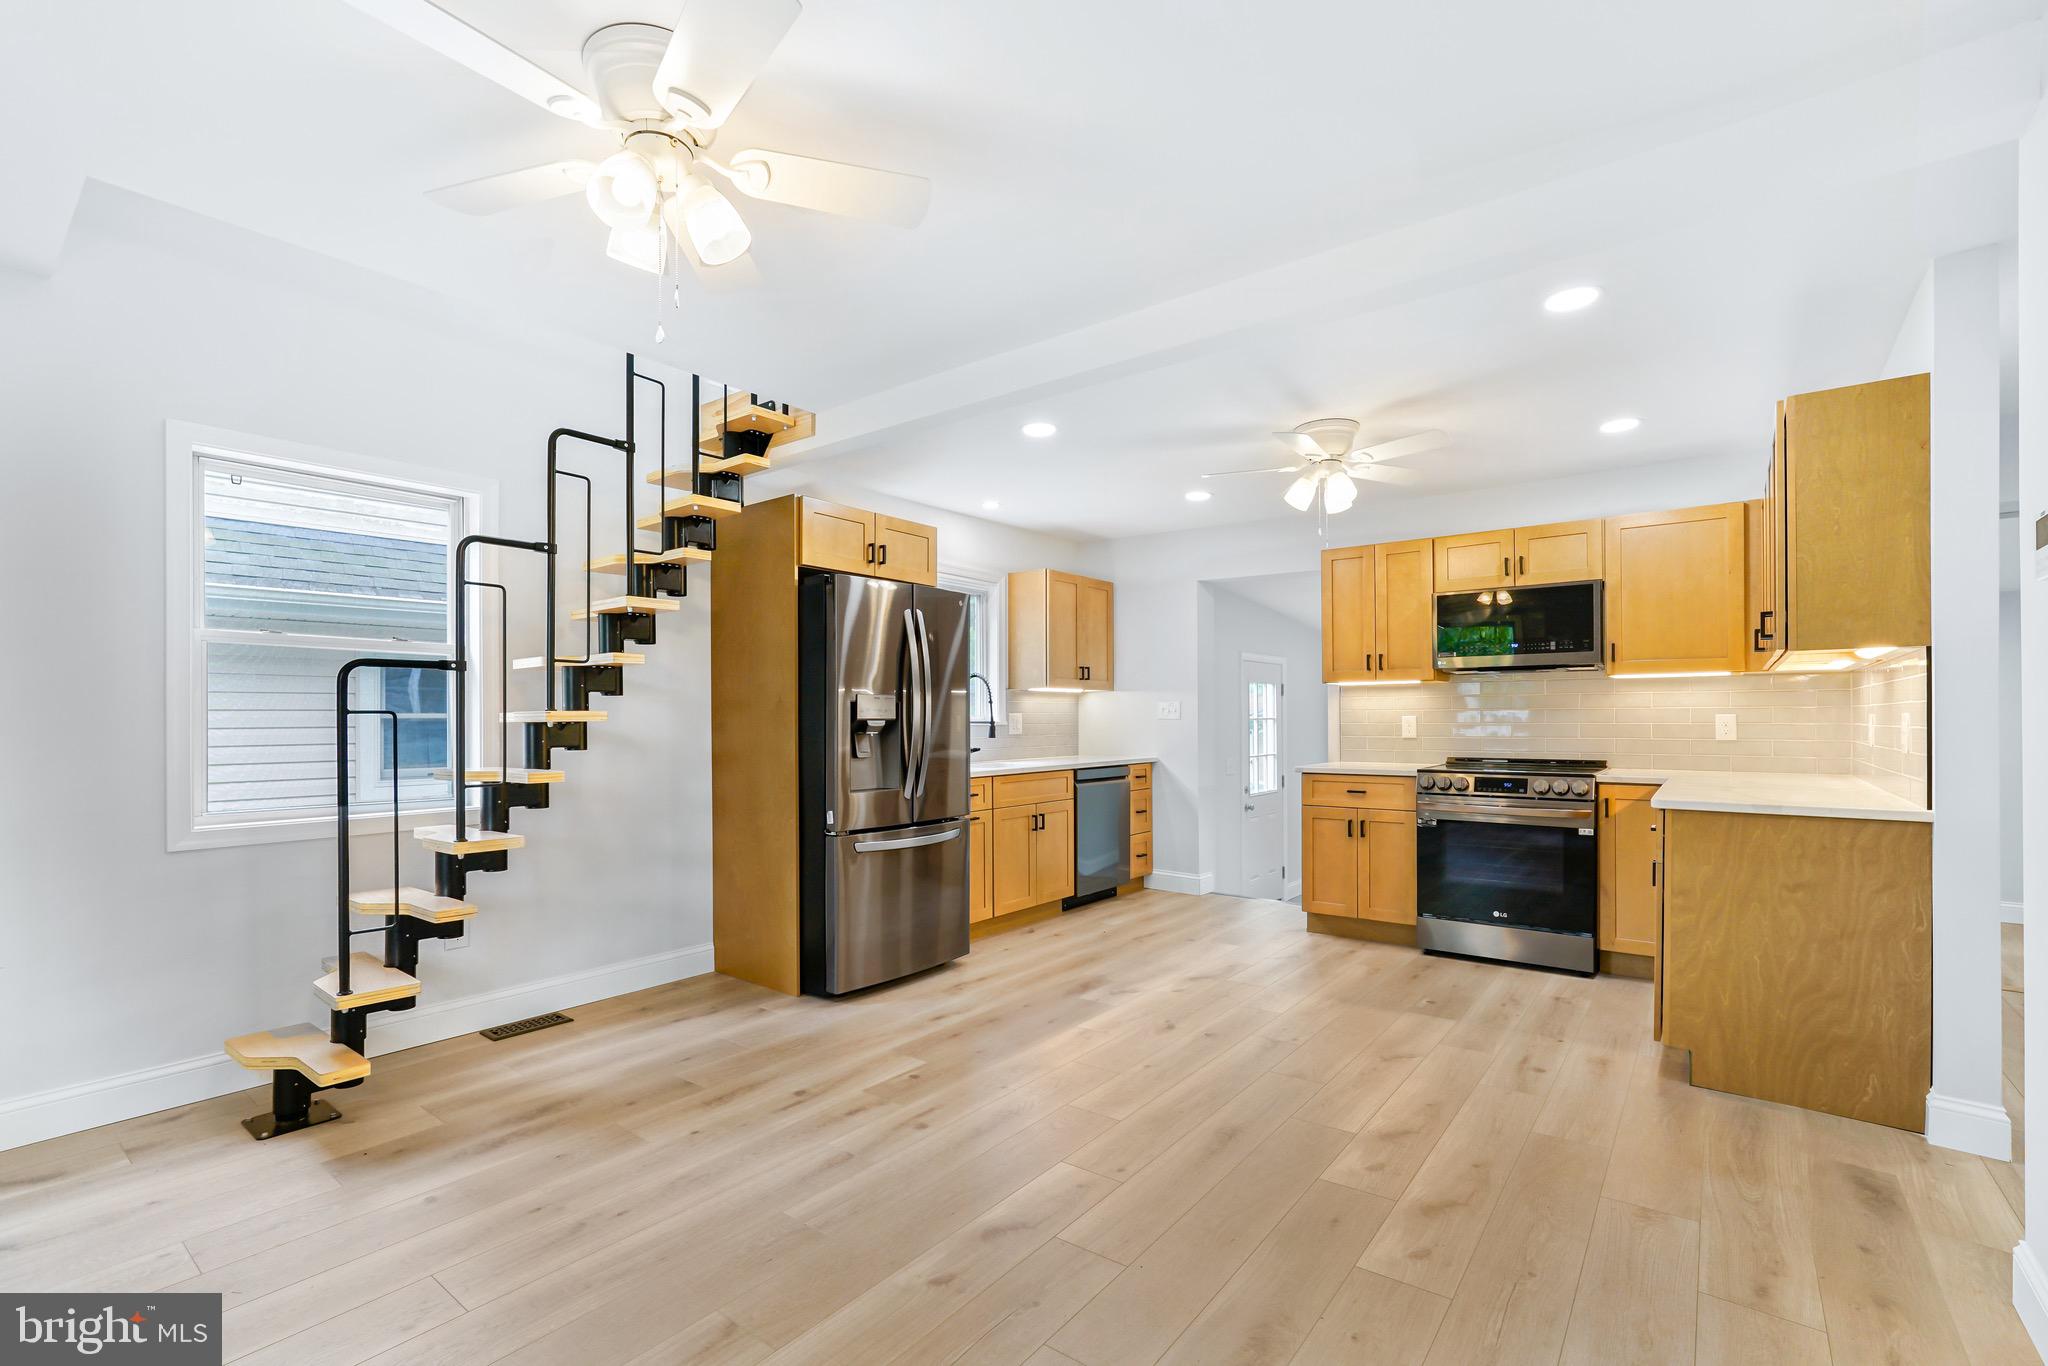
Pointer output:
x,y
730,438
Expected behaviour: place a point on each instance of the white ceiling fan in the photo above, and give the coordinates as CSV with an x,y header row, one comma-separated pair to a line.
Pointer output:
x,y
1331,460
660,95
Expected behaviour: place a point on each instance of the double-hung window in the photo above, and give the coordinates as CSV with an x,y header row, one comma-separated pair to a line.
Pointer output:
x,y
986,593
290,568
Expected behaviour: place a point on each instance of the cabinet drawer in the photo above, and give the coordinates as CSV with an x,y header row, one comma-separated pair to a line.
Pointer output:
x,y
1141,856
1141,776
978,794
1016,789
1341,789
1141,812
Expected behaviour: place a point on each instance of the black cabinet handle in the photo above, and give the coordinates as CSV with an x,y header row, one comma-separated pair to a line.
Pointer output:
x,y
1763,619
881,554
1347,830
1521,565
1756,641
1610,651
1504,570
1653,873
871,552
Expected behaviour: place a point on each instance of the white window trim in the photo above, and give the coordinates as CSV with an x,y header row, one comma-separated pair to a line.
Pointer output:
x,y
973,579
184,741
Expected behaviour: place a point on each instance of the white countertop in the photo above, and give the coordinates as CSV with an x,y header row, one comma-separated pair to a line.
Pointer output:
x,y
1840,795
978,767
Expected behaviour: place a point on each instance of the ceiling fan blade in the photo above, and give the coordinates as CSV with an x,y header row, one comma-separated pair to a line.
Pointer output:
x,y
832,186
1403,447
514,189
1383,474
1263,469
1302,444
436,28
714,53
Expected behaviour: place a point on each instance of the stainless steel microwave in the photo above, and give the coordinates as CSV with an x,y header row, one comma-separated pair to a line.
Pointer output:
x,y
1542,626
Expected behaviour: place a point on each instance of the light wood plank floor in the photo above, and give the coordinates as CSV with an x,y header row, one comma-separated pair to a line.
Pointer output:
x,y
1163,1129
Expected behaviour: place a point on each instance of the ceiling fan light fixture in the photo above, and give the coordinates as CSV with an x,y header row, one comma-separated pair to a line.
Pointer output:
x,y
623,191
1197,495
708,220
578,107
1301,494
1572,298
1616,426
1339,493
637,247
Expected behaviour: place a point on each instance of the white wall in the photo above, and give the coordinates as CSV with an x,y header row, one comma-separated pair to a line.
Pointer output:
x,y
2030,1276
2011,849
1952,330
1239,626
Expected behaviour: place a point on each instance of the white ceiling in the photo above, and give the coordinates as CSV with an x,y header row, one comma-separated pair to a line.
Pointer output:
x,y
1169,226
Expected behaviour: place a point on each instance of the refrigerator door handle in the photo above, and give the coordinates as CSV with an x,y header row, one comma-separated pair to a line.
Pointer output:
x,y
928,683
913,710
913,842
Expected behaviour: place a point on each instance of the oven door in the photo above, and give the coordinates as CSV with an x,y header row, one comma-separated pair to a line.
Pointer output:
x,y
1519,865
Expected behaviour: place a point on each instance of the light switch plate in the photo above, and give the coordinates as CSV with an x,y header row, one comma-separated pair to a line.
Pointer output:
x,y
1724,726
1170,711
1016,723
1407,728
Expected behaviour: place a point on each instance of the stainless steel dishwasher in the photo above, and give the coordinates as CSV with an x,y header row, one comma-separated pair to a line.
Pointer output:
x,y
1102,832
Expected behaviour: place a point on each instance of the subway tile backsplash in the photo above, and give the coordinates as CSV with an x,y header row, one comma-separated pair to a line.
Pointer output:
x,y
1052,726
1784,723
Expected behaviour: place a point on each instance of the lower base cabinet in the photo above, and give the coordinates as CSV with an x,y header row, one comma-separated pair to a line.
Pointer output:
x,y
1358,864
1631,869
980,883
1031,855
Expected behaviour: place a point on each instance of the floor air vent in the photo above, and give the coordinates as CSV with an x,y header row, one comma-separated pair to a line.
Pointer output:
x,y
527,1026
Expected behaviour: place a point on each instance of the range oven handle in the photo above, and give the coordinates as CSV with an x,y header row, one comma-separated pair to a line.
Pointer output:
x,y
1505,813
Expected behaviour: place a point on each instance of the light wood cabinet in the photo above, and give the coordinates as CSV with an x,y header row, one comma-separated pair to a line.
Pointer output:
x,y
1033,857
1849,498
1389,874
1141,812
1404,610
980,876
907,551
1761,583
1062,631
837,537
1562,552
1350,640
1475,560
1141,857
1631,869
855,541
1675,591
1358,864
1345,789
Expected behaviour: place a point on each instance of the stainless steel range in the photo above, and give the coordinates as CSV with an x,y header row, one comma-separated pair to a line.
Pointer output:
x,y
1507,861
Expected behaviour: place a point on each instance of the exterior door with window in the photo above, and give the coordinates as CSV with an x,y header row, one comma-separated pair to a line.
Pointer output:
x,y
1263,823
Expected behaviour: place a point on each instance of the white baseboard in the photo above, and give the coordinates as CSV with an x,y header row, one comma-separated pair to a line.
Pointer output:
x,y
1291,890
2012,912
87,1105
1969,1126
1194,884
2030,1295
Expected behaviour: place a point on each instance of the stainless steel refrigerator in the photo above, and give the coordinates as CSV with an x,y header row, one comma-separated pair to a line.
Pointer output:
x,y
883,764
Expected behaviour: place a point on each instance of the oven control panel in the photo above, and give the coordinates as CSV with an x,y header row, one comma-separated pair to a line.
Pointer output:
x,y
1503,785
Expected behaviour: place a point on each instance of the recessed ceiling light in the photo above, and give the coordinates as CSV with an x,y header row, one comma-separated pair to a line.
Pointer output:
x,y
1573,299
1196,495
1038,431
989,505
1615,426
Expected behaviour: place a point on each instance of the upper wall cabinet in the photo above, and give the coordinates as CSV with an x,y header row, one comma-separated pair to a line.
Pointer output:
x,y
1062,631
1475,560
855,541
1848,515
1675,591
1563,552
1379,613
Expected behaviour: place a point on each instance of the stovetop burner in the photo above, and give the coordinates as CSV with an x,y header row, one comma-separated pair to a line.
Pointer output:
x,y
1502,765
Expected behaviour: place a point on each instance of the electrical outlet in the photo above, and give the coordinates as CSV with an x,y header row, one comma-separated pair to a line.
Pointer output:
x,y
1407,728
1724,726
1016,723
1170,711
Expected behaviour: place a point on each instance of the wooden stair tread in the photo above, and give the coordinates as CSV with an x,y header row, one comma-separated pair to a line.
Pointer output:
x,y
682,554
369,982
596,661
691,505
416,902
441,839
621,606
557,717
499,775
712,460
741,416
311,1052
